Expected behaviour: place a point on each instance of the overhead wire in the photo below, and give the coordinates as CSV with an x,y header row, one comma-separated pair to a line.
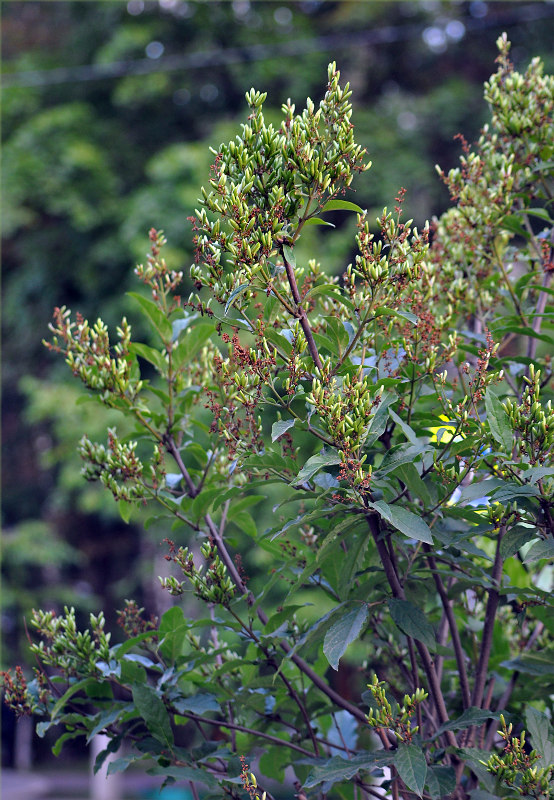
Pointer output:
x,y
258,52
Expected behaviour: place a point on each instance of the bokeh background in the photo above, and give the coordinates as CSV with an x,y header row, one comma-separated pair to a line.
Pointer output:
x,y
108,112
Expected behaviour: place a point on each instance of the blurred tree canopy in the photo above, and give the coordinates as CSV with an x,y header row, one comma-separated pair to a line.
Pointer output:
x,y
108,109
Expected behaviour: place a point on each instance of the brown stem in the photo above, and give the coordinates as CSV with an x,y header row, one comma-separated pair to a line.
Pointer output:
x,y
398,592
454,633
301,312
488,628
218,723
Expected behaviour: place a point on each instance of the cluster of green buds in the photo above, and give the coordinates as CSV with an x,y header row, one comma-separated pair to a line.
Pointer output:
x,y
532,421
89,355
156,274
212,585
118,467
521,106
517,768
346,407
266,184
64,647
391,716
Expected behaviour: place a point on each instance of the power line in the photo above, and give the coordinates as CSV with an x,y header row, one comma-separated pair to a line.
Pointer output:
x,y
255,52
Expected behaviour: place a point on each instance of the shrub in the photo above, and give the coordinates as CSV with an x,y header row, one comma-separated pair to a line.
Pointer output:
x,y
399,415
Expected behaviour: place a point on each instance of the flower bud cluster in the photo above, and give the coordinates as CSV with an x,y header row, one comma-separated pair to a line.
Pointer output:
x,y
87,352
119,468
517,768
264,185
521,106
346,407
532,421
63,646
212,585
397,719
156,274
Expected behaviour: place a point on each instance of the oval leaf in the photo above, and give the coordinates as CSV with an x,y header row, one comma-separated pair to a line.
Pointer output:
x,y
344,631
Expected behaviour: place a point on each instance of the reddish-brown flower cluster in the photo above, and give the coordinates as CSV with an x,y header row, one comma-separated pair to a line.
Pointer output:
x,y
132,621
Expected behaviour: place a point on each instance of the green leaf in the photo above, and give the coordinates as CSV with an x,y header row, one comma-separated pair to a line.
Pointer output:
x,y
125,509
471,716
153,711
544,548
197,704
234,294
280,427
441,781
151,355
412,621
410,762
192,342
341,205
121,764
540,730
342,632
73,689
57,748
340,769
405,453
244,521
409,524
186,774
384,311
531,664
379,422
172,631
155,316
514,540
319,221
104,719
498,421
314,464
288,252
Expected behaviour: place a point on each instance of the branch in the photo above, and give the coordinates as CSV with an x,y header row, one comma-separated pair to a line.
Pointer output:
x,y
454,633
301,312
398,591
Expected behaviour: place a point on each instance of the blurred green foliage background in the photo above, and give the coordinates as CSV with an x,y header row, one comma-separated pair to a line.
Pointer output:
x,y
108,112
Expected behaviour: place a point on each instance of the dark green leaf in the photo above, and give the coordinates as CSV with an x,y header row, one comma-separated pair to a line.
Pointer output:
x,y
338,769
121,764
234,294
410,524
153,711
412,621
410,762
471,716
544,548
405,453
342,632
197,704
532,664
186,774
540,730
498,422
441,781
514,540
314,464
